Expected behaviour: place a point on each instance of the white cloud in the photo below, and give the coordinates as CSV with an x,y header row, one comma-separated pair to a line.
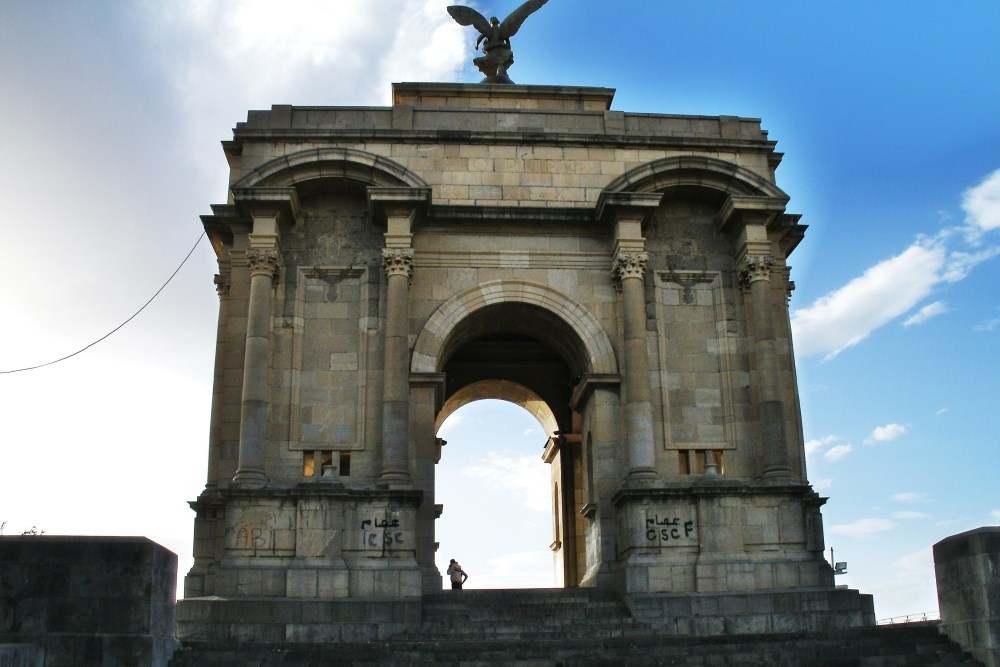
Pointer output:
x,y
838,452
941,412
534,569
960,264
995,514
910,497
908,516
926,313
982,205
524,476
301,52
455,420
909,588
863,527
887,433
988,327
847,316
813,446
823,484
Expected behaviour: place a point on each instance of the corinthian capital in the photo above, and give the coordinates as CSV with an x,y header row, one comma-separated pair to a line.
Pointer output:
x,y
262,262
629,265
222,284
756,267
397,261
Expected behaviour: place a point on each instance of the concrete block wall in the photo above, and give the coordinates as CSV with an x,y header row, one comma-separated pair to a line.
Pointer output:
x,y
96,601
967,569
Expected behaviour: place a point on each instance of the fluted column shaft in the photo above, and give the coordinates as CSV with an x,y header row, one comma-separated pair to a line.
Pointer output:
x,y
222,284
756,270
629,269
263,266
398,264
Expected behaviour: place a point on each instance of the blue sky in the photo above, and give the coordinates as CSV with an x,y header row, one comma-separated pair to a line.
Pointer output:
x,y
889,115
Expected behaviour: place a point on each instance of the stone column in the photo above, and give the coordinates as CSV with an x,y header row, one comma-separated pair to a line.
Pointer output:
x,y
629,268
756,271
398,206
222,283
627,212
398,265
262,263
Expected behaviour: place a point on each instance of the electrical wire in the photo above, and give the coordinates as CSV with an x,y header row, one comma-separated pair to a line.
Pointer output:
x,y
133,316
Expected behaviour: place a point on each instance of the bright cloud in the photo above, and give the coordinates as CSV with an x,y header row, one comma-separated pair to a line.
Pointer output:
x,y
988,327
850,314
838,452
910,586
863,527
523,476
813,446
995,514
909,516
887,433
910,497
823,484
926,313
982,205
532,569
302,52
846,316
454,420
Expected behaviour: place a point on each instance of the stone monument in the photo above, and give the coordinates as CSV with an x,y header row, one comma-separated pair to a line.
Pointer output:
x,y
495,37
623,276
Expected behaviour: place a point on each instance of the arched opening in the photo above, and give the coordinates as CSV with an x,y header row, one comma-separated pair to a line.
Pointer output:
x,y
526,355
494,489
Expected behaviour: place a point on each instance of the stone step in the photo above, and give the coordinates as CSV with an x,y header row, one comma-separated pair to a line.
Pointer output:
x,y
900,646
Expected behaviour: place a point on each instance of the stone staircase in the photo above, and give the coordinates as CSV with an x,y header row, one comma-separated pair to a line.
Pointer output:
x,y
535,628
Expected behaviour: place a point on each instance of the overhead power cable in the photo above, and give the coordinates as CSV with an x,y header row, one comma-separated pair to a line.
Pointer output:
x,y
132,317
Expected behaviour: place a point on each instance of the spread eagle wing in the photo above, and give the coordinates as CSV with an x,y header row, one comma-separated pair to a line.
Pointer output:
x,y
512,23
469,16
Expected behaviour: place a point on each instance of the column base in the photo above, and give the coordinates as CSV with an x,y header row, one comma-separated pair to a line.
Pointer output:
x,y
250,478
394,479
781,474
641,478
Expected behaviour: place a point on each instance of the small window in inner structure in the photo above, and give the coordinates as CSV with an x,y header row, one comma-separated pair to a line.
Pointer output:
x,y
345,464
683,463
692,462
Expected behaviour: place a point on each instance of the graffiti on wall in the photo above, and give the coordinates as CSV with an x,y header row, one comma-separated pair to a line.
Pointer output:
x,y
382,534
254,529
670,529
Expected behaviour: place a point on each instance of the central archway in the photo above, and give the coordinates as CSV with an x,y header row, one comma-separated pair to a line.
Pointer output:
x,y
529,345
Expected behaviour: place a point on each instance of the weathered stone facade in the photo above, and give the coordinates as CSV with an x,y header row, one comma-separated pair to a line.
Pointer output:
x,y
622,276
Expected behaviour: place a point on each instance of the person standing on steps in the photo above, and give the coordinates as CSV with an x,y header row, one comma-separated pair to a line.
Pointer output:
x,y
457,575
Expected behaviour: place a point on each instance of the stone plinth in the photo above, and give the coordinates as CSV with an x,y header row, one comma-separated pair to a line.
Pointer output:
x,y
88,600
967,569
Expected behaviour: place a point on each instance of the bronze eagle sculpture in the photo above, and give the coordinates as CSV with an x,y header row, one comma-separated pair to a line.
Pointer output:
x,y
495,36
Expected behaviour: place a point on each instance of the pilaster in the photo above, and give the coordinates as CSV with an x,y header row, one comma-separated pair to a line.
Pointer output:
x,y
627,212
399,207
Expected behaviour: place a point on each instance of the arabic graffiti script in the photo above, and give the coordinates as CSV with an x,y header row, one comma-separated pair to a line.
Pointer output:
x,y
668,529
379,533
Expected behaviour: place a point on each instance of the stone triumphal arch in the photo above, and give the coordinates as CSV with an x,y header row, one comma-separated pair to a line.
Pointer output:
x,y
621,276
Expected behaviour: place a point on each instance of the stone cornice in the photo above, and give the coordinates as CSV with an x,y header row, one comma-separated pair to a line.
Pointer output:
x,y
588,383
611,205
281,203
676,492
353,136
